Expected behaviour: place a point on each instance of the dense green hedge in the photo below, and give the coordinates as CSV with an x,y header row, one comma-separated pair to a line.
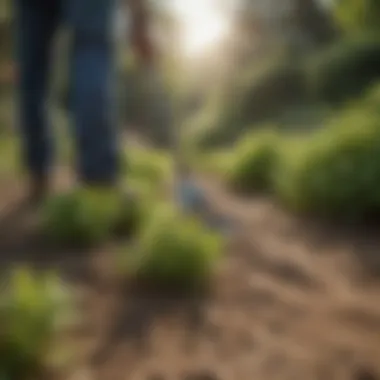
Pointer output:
x,y
338,173
328,78
334,172
253,165
345,69
256,95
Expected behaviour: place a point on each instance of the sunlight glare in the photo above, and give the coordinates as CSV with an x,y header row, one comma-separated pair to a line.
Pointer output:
x,y
203,24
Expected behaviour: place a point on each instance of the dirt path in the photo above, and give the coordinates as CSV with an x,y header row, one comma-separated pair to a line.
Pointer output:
x,y
291,302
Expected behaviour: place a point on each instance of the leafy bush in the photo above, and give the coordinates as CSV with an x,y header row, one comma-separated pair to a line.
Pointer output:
x,y
345,69
33,311
174,251
337,173
214,162
147,165
89,216
357,15
371,101
145,102
254,97
256,157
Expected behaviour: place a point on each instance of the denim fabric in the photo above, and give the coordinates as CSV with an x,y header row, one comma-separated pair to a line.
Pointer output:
x,y
92,80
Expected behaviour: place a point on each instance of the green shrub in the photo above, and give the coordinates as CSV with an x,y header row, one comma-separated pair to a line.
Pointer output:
x,y
174,251
256,158
149,166
356,16
34,310
371,101
86,217
255,97
337,173
214,162
345,70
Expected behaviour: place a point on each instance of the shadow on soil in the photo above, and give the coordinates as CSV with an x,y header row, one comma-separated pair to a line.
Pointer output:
x,y
361,239
22,244
139,311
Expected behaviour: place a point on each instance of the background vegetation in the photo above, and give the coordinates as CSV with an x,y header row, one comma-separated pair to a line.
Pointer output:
x,y
287,106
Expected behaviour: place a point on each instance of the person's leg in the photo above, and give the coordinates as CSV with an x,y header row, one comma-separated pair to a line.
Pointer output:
x,y
36,22
92,89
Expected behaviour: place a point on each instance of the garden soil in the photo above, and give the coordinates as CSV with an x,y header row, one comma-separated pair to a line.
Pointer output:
x,y
292,301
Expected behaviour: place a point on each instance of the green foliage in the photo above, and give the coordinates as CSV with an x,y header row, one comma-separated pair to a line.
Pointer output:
x,y
207,129
215,162
255,96
33,311
371,101
333,172
345,69
256,158
358,15
337,172
174,251
150,166
89,216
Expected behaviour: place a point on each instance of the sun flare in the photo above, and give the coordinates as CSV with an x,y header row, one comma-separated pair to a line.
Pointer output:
x,y
202,24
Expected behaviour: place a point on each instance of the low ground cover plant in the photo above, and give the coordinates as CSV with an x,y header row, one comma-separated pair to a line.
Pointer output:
x,y
34,311
173,251
254,162
85,217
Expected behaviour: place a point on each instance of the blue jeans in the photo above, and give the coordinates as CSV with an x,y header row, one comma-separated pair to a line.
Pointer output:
x,y
92,82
